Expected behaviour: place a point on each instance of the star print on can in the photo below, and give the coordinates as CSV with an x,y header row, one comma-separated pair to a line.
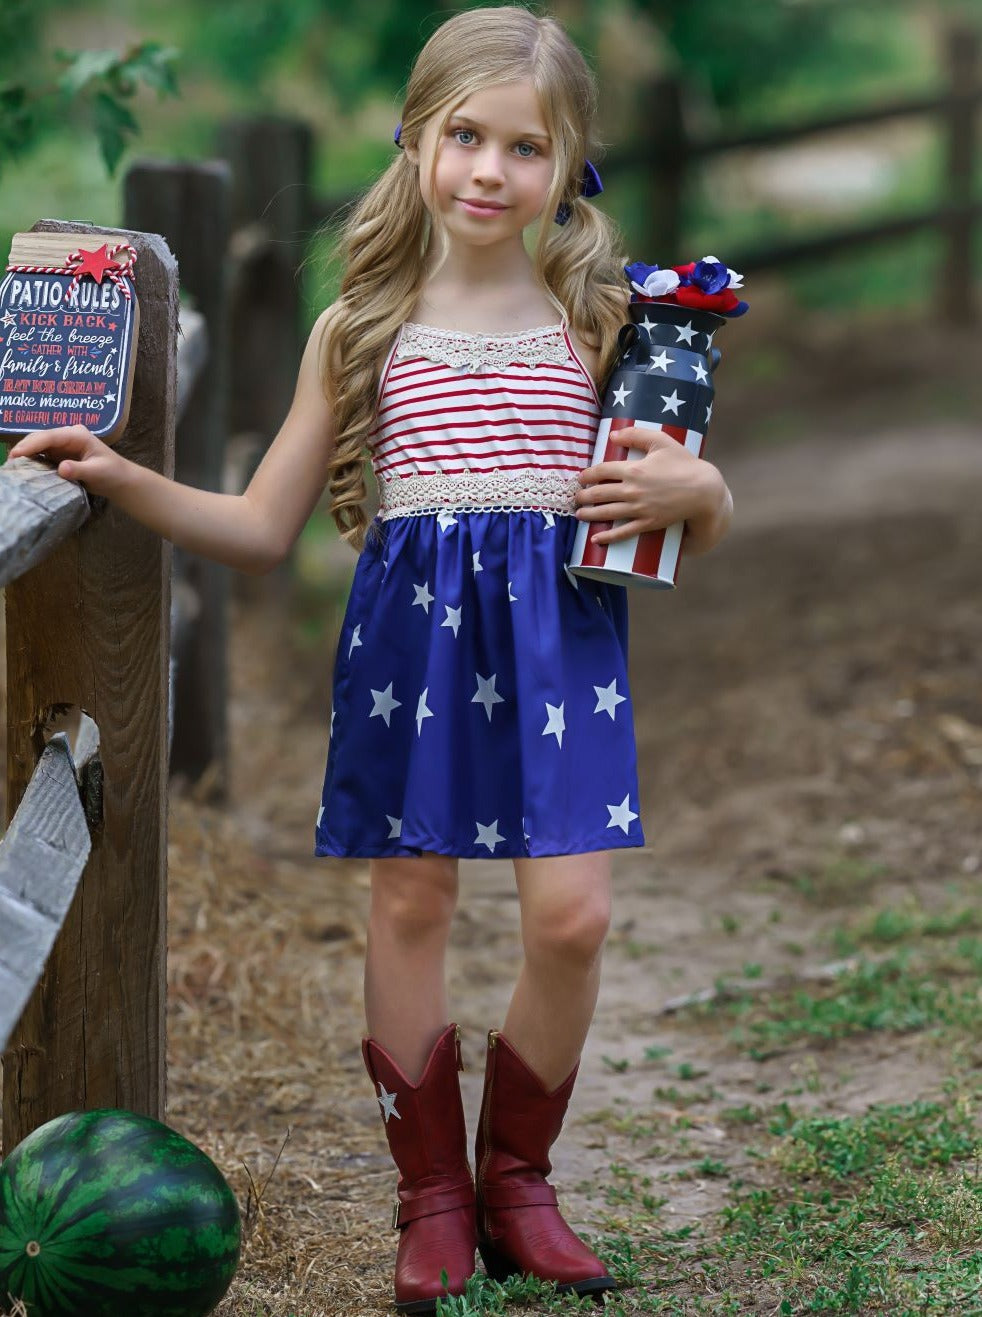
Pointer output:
x,y
663,381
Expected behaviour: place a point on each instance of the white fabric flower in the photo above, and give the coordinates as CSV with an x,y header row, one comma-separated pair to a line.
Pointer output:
x,y
658,283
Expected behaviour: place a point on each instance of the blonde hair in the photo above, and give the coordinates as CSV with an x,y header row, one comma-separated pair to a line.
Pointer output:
x,y
384,242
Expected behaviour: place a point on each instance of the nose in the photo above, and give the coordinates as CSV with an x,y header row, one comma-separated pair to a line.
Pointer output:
x,y
488,167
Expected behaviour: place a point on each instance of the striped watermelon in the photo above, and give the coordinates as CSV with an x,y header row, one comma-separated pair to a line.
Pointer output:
x,y
110,1214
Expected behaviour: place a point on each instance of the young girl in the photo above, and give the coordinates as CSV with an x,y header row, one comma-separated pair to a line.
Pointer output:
x,y
481,705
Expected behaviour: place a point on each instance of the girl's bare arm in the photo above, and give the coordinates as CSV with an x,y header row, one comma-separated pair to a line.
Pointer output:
x,y
253,531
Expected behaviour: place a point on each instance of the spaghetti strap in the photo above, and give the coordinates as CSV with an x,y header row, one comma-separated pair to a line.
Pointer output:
x,y
576,357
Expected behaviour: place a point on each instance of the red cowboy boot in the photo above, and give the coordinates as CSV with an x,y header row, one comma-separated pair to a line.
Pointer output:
x,y
424,1124
518,1222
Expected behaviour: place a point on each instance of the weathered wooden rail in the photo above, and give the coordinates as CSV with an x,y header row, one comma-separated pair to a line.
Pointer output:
x,y
83,861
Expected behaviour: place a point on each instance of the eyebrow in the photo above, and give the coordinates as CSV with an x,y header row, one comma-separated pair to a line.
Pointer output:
x,y
475,123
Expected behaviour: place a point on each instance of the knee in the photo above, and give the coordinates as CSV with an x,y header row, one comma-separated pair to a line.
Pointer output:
x,y
573,937
415,897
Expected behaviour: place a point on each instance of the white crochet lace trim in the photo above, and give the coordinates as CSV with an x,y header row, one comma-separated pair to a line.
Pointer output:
x,y
477,491
451,347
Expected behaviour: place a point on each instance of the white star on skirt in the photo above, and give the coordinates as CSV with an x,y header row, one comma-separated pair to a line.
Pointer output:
x,y
395,826
608,699
445,519
423,597
422,711
477,562
452,619
387,1101
556,721
486,693
355,639
384,704
621,815
488,835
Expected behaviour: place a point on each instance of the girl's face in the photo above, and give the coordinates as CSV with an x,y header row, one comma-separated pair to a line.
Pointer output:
x,y
493,165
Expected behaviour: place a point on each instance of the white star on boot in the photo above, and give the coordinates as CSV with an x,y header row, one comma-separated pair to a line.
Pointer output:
x,y
387,1101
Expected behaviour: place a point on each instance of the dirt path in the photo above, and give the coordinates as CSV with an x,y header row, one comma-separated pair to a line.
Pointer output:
x,y
810,734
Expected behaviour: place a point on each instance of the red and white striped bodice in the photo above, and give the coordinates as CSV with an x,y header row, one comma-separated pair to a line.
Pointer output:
x,y
482,422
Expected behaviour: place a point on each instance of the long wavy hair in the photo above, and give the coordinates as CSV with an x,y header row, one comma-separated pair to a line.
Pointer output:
x,y
386,239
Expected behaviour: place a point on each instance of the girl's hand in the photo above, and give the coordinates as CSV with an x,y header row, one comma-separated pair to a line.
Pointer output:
x,y
668,484
78,456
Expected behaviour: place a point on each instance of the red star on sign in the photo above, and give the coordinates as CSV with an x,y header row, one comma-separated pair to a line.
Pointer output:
x,y
95,263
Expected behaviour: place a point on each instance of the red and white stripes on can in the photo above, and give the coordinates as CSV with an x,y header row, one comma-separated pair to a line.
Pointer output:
x,y
650,559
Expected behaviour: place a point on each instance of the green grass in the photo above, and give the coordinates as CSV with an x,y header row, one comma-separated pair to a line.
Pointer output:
x,y
908,991
875,1213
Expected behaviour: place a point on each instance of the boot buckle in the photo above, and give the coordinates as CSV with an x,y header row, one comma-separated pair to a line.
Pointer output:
x,y
395,1214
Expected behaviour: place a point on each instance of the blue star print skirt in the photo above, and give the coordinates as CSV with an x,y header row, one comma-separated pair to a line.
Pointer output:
x,y
480,704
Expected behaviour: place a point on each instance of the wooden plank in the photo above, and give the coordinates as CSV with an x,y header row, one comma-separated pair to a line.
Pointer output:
x,y
38,510
271,170
41,861
89,627
957,299
780,255
189,204
192,353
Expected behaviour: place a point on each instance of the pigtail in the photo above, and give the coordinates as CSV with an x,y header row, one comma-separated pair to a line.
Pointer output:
x,y
581,265
383,246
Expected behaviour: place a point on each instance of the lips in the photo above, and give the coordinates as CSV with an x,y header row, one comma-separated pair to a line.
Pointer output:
x,y
480,203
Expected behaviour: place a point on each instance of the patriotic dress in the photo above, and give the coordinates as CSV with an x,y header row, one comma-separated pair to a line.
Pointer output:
x,y
480,699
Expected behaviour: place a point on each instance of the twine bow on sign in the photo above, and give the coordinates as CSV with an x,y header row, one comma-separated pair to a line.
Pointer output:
x,y
100,263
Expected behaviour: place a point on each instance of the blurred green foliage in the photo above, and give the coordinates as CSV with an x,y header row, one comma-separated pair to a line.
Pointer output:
x,y
748,56
41,90
342,67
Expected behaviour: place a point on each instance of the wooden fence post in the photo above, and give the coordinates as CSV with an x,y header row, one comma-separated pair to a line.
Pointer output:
x,y
660,142
271,212
89,626
189,205
958,304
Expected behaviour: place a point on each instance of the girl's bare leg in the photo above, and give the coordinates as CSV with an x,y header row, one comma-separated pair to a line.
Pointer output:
x,y
412,905
565,908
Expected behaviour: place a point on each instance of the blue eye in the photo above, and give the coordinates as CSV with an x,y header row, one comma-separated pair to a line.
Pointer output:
x,y
531,150
468,131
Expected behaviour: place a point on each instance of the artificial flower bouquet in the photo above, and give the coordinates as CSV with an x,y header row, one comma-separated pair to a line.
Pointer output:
x,y
705,285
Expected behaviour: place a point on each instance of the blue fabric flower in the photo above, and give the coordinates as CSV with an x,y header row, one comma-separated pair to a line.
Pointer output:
x,y
651,280
709,275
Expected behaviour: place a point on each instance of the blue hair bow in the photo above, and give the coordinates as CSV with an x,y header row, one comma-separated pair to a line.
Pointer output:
x,y
590,184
